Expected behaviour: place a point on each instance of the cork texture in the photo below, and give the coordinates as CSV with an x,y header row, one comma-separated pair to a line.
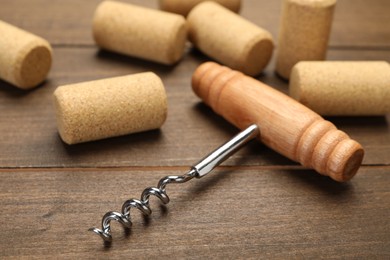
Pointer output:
x,y
25,58
110,107
304,32
140,32
229,38
342,88
184,7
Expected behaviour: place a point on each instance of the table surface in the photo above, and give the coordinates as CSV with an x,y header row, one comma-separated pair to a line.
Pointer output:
x,y
258,204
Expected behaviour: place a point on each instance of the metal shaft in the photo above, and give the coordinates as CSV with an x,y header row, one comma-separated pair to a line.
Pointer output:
x,y
199,170
208,163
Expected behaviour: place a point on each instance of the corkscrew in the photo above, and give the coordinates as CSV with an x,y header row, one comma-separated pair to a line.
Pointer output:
x,y
287,127
199,170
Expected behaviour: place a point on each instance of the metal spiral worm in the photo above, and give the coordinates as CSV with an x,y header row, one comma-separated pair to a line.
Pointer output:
x,y
199,170
142,204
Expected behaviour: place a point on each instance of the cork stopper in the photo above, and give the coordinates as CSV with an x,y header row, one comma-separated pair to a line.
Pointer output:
x,y
184,7
285,125
342,88
110,107
140,32
304,32
26,58
213,29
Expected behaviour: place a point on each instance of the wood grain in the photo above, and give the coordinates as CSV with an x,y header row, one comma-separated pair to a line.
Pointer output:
x,y
51,193
286,125
235,213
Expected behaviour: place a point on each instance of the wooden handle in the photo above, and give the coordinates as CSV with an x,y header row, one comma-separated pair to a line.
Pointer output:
x,y
286,126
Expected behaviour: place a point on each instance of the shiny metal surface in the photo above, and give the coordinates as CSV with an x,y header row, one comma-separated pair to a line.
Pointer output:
x,y
202,168
215,158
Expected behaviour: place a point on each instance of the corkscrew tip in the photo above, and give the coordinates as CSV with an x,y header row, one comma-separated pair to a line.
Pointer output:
x,y
107,238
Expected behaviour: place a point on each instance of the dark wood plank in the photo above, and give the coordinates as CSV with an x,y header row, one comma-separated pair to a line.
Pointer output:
x,y
61,23
259,205
356,22
234,213
29,135
361,23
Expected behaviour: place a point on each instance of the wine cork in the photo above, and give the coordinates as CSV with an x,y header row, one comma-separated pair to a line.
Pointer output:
x,y
184,7
229,39
110,107
25,58
342,88
140,32
304,32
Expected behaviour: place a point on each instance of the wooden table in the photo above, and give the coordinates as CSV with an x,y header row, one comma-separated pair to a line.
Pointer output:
x,y
258,205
